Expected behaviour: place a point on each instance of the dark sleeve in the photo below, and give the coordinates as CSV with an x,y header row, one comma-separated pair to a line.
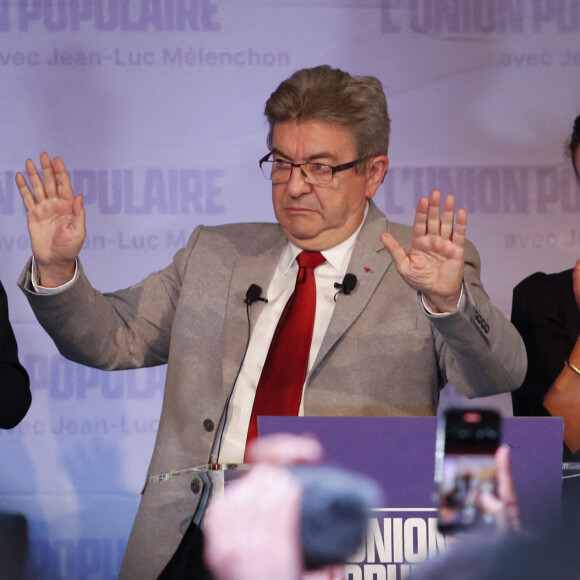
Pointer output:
x,y
539,313
14,383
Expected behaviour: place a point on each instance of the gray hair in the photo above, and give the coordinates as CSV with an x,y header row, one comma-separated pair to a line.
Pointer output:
x,y
328,94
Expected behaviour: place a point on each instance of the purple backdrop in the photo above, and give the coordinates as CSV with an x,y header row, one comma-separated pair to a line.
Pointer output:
x,y
156,107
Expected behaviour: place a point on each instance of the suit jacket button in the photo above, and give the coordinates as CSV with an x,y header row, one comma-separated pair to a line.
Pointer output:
x,y
195,485
208,425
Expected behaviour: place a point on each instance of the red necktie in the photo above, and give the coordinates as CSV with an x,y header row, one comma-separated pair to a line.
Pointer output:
x,y
279,390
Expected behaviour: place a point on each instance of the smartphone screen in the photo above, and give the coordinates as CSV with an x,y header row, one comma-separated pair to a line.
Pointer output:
x,y
467,440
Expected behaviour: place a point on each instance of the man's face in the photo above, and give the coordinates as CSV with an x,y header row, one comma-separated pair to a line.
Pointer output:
x,y
318,217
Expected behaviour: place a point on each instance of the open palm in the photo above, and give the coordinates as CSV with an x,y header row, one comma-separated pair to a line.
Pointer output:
x,y
56,217
434,265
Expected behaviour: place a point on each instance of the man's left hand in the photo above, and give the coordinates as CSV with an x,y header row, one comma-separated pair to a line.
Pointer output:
x,y
435,262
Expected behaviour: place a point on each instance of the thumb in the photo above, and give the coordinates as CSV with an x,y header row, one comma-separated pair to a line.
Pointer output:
x,y
394,248
78,211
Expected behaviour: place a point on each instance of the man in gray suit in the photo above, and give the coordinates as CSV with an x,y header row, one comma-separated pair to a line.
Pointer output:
x,y
417,318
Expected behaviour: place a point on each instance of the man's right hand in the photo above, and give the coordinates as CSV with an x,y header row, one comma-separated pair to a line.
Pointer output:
x,y
56,220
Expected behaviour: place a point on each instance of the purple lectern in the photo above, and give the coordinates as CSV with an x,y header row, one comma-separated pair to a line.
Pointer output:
x,y
399,454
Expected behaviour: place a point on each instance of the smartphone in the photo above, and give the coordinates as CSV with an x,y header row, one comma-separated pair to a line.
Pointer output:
x,y
467,440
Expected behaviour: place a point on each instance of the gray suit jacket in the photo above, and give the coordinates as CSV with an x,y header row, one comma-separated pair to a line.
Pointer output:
x,y
382,354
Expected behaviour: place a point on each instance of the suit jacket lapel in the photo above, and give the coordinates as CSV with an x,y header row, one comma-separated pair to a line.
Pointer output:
x,y
256,268
369,262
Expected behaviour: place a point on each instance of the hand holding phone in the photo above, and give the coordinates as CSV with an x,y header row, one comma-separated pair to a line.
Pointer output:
x,y
466,469
503,506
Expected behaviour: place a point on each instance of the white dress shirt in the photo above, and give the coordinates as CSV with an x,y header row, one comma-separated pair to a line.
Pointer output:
x,y
278,292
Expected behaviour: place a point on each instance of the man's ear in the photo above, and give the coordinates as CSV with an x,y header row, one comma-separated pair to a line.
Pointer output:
x,y
376,171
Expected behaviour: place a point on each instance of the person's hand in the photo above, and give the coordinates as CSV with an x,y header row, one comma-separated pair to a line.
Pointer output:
x,y
56,219
284,449
503,506
435,262
576,282
252,532
563,396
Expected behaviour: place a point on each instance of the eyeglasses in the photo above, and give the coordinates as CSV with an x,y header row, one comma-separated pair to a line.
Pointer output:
x,y
279,171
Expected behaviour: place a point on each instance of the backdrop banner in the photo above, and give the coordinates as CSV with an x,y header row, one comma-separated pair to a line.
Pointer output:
x,y
156,107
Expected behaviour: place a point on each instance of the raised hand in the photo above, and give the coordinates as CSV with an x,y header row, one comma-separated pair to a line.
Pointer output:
x,y
269,497
503,507
435,262
56,219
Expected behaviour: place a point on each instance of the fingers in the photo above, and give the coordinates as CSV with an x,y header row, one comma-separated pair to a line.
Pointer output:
x,y
505,483
506,489
434,214
25,193
78,207
54,182
78,215
448,217
421,215
430,221
36,181
493,508
64,187
503,507
458,234
50,185
38,193
285,449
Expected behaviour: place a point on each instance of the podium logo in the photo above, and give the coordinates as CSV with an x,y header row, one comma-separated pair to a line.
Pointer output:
x,y
394,544
110,15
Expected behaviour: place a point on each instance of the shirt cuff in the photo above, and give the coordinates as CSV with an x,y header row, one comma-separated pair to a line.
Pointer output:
x,y
42,290
440,314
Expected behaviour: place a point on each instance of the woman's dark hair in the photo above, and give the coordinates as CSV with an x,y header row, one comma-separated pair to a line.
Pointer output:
x,y
573,144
